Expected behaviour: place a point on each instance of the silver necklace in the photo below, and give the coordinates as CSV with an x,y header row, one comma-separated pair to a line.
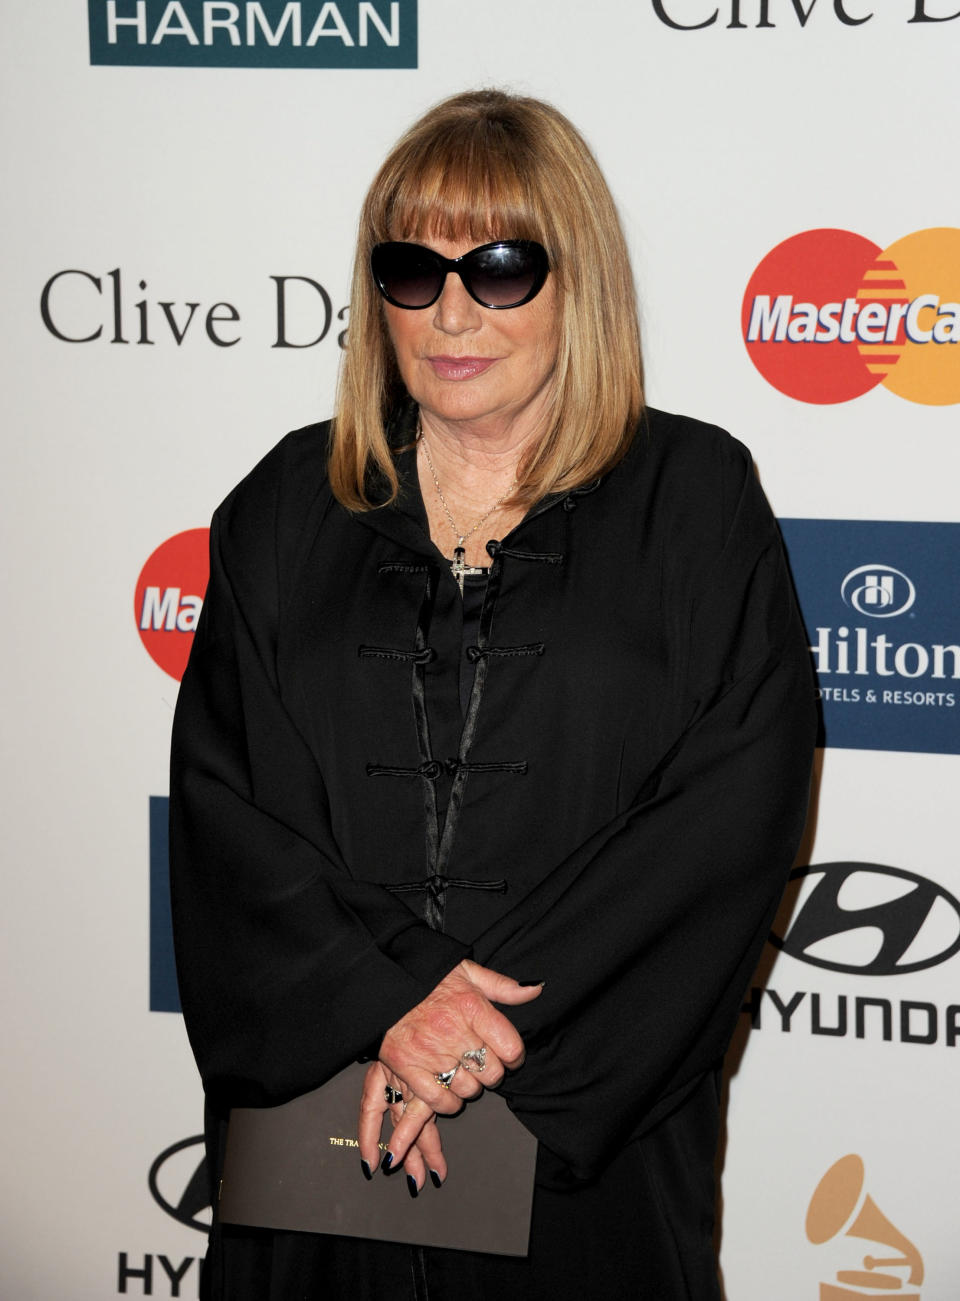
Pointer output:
x,y
458,566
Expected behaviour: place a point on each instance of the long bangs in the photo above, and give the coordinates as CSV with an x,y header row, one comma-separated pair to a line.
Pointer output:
x,y
458,189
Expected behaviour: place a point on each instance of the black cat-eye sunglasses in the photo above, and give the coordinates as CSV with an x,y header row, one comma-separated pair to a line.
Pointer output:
x,y
504,274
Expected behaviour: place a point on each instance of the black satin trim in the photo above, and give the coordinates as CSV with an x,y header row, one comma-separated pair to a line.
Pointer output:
x,y
485,628
433,906
441,836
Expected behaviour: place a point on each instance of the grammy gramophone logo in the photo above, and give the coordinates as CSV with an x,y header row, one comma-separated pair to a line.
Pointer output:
x,y
840,1209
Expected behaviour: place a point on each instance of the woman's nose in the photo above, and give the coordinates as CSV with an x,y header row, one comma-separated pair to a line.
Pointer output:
x,y
455,311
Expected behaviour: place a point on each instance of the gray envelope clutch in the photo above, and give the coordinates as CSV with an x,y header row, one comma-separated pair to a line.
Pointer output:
x,y
297,1166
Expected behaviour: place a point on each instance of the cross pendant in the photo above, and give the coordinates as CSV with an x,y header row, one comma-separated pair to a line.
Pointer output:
x,y
459,567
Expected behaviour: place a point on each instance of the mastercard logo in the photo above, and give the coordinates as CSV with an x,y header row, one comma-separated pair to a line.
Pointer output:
x,y
828,315
169,596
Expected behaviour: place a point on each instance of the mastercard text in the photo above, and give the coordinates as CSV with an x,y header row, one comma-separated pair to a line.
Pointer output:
x,y
924,319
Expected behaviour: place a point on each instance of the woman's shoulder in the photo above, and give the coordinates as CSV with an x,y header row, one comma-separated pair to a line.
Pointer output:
x,y
693,478
294,467
283,484
687,445
260,522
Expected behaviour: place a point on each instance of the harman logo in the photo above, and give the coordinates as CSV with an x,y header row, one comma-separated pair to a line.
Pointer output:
x,y
269,34
178,1183
828,315
169,596
840,1208
879,591
884,636
870,920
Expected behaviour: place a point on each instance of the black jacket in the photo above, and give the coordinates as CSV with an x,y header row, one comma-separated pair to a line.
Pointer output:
x,y
622,803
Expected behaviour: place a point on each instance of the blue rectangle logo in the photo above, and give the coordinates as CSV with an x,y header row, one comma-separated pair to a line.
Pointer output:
x,y
164,995
881,604
268,34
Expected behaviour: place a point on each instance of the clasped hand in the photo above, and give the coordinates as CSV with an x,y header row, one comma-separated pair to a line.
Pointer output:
x,y
458,1015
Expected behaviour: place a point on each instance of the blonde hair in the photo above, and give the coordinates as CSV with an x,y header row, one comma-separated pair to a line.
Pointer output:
x,y
489,165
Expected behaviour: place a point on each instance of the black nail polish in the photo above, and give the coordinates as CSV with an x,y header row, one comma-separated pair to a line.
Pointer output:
x,y
435,1179
387,1162
528,984
365,1167
412,1188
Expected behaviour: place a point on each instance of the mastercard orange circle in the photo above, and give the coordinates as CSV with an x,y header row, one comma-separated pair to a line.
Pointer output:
x,y
928,369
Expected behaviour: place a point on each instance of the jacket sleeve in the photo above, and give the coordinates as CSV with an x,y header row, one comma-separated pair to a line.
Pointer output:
x,y
288,967
647,935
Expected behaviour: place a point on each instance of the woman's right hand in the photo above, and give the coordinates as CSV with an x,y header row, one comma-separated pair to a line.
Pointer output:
x,y
457,1016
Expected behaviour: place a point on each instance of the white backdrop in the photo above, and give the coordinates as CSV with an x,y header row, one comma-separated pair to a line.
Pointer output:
x,y
205,182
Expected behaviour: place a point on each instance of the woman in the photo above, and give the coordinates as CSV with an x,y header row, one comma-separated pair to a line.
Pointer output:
x,y
492,756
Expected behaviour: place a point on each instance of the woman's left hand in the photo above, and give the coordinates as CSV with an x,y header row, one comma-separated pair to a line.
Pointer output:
x,y
460,1011
425,1153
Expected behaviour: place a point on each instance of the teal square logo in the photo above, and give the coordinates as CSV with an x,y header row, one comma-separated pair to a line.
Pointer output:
x,y
266,34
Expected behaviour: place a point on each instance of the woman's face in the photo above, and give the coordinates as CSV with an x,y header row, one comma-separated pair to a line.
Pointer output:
x,y
484,369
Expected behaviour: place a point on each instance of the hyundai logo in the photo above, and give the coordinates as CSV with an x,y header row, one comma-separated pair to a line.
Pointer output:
x,y
179,1184
870,920
878,591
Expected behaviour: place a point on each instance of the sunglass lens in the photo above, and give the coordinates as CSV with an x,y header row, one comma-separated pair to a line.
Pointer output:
x,y
407,274
503,275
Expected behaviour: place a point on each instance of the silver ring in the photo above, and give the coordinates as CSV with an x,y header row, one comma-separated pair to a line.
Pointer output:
x,y
445,1078
392,1096
475,1059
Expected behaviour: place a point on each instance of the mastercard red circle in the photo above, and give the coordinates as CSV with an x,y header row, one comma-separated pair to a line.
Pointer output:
x,y
168,598
793,316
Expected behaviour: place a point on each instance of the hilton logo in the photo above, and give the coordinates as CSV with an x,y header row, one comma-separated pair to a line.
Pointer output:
x,y
878,591
879,602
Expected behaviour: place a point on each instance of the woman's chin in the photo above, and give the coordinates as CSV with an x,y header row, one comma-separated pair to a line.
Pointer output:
x,y
461,407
